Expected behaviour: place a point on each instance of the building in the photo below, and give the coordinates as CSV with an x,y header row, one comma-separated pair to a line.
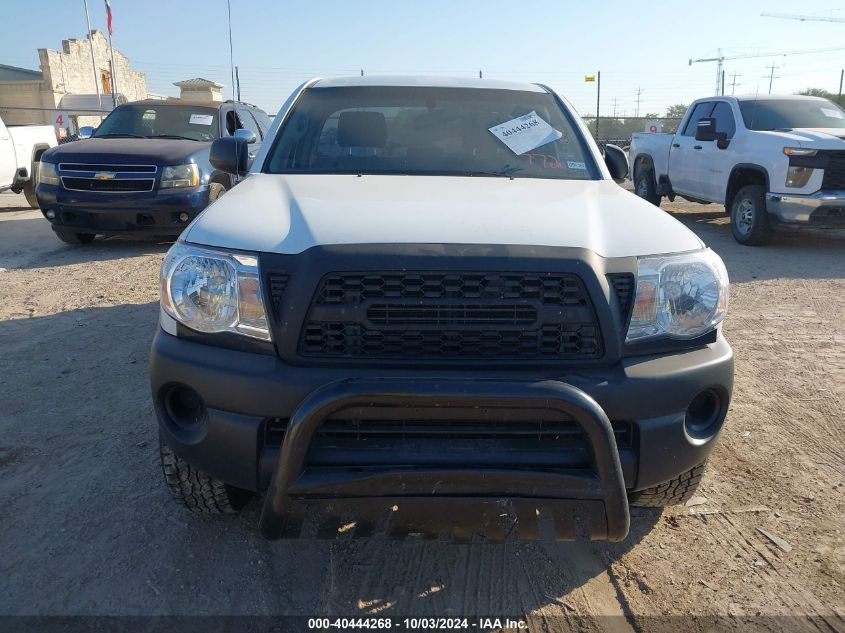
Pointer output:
x,y
66,84
199,89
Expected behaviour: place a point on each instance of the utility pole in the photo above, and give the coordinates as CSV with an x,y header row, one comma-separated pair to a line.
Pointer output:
x,y
723,83
615,101
733,82
480,75
772,77
639,92
841,76
238,82
598,103
362,72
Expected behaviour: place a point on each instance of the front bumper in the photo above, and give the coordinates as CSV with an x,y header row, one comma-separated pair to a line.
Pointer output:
x,y
152,213
823,208
246,393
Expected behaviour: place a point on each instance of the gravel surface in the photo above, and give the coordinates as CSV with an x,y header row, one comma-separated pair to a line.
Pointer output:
x,y
87,526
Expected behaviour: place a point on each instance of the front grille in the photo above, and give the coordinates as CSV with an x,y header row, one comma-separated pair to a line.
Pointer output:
x,y
451,316
113,178
360,440
92,184
834,172
623,286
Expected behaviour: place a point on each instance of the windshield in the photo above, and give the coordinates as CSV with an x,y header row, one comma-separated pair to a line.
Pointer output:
x,y
161,121
430,131
787,114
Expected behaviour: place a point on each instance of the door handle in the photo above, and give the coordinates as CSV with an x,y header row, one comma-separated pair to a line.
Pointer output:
x,y
696,146
676,144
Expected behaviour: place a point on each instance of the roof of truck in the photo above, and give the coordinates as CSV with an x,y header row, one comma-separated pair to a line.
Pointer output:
x,y
768,97
427,82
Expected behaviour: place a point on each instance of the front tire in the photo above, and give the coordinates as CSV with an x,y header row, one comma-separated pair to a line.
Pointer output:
x,y
749,219
75,238
215,191
645,186
674,492
198,491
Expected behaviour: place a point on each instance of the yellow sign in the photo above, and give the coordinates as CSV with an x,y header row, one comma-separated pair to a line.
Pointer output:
x,y
589,77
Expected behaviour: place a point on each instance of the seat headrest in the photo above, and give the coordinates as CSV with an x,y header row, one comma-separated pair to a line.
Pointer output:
x,y
361,129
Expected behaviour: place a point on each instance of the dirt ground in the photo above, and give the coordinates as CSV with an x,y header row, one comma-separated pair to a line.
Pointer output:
x,y
87,527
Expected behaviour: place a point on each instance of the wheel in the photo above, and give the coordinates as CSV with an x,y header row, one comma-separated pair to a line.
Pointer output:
x,y
673,492
215,190
749,219
198,491
75,238
29,194
645,187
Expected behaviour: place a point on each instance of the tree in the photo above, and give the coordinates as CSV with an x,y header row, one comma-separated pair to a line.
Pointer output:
x,y
676,111
821,92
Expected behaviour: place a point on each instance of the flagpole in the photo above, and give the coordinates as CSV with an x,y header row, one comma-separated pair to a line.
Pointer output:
x,y
93,62
113,75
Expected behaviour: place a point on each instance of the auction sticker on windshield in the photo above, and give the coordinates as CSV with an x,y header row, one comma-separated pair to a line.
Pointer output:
x,y
525,133
201,119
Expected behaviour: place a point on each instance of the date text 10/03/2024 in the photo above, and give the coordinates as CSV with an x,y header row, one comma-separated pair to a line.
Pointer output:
x,y
419,624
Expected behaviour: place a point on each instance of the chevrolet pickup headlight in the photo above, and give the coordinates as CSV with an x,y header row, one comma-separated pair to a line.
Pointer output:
x,y
180,176
213,291
47,174
679,296
798,176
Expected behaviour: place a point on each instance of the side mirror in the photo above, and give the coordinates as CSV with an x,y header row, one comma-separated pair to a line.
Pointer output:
x,y
705,130
230,154
247,135
617,162
86,131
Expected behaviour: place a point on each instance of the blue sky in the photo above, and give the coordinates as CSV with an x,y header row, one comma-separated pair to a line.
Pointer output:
x,y
278,44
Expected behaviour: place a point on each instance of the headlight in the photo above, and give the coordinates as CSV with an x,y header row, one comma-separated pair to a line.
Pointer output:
x,y
798,176
180,176
213,291
678,296
47,174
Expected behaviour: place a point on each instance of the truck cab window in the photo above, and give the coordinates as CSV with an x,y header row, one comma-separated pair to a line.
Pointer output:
x,y
701,111
724,118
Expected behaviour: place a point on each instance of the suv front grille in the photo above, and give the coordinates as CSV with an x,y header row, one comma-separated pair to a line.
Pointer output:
x,y
114,178
451,316
834,172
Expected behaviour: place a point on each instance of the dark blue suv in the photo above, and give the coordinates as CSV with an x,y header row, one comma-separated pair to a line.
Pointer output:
x,y
145,169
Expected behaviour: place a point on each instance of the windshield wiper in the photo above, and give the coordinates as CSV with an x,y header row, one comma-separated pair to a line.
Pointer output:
x,y
177,136
506,172
118,134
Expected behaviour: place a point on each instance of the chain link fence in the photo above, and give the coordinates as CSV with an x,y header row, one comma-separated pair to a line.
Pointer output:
x,y
618,130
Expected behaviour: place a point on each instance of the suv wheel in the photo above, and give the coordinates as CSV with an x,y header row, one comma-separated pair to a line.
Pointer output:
x,y
75,238
198,491
645,187
215,190
749,219
678,490
29,194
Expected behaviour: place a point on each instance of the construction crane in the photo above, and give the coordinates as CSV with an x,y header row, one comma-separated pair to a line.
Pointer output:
x,y
803,18
720,59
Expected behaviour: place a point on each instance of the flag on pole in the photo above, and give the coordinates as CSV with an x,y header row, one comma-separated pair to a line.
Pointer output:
x,y
108,16
586,77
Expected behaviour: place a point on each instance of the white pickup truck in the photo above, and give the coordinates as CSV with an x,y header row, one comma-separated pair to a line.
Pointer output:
x,y
20,152
769,159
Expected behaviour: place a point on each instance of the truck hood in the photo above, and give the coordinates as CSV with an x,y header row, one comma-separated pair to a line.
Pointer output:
x,y
821,138
288,214
155,151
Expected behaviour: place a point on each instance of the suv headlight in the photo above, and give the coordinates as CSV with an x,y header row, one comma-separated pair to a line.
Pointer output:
x,y
47,174
209,290
180,176
678,296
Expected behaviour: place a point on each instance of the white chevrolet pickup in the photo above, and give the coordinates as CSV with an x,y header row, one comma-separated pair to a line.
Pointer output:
x,y
430,309
769,159
20,152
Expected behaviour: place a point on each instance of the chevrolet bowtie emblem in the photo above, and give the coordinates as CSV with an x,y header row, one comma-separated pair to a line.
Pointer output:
x,y
104,175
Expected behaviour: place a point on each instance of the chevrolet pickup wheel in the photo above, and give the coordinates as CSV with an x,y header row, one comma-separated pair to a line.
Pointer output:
x,y
671,493
75,238
645,187
749,219
198,491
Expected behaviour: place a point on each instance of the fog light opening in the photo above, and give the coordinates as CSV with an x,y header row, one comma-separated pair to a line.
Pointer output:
x,y
704,415
50,215
184,407
183,217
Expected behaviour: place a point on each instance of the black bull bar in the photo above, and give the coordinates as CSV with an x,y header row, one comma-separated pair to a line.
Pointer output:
x,y
561,504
